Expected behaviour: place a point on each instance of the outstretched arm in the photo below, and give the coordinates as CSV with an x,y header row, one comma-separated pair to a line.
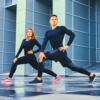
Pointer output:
x,y
44,43
42,55
20,49
38,44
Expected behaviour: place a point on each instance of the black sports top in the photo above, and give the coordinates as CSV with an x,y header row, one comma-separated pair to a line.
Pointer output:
x,y
56,36
28,45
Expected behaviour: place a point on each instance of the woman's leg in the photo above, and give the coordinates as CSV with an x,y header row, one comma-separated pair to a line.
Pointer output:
x,y
21,60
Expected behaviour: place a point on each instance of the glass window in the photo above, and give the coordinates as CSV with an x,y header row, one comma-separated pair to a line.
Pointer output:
x,y
68,21
81,24
92,14
41,19
92,3
93,41
81,53
81,64
81,38
98,55
69,6
81,10
29,16
98,4
40,30
93,55
98,29
29,4
83,1
1,45
98,16
41,7
98,41
92,28
0,58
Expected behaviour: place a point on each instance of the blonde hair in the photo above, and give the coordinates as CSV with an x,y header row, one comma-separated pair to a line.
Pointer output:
x,y
33,35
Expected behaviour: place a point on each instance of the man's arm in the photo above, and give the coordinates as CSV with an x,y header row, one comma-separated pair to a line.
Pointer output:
x,y
42,55
70,33
44,42
20,49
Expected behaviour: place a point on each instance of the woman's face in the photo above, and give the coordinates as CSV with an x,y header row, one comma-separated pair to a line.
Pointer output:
x,y
29,33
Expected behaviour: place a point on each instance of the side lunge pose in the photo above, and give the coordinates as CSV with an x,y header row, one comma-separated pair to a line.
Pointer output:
x,y
59,53
29,57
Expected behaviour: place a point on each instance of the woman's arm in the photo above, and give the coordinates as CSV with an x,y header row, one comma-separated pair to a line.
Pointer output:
x,y
38,44
20,49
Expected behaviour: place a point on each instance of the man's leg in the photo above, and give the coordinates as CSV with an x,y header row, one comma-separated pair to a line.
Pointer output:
x,y
41,64
41,69
77,68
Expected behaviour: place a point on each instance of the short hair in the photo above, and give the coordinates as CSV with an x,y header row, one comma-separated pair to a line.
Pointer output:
x,y
53,15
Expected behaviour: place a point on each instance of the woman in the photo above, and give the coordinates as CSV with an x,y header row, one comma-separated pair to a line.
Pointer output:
x,y
29,57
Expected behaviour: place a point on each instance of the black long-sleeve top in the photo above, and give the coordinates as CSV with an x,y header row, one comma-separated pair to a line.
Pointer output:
x,y
56,36
28,45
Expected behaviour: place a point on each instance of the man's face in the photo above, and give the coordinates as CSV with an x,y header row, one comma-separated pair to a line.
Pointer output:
x,y
53,21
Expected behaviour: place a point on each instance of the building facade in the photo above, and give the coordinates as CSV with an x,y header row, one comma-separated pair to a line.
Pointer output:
x,y
80,16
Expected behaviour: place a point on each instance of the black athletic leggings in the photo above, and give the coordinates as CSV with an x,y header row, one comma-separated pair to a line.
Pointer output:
x,y
31,59
69,65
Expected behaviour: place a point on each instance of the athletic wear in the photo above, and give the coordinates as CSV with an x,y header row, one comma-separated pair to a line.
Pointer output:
x,y
6,80
6,83
35,81
64,62
31,59
28,58
28,45
92,78
56,37
57,79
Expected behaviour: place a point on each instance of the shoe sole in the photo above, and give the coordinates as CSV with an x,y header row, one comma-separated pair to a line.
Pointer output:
x,y
57,80
6,82
93,80
34,83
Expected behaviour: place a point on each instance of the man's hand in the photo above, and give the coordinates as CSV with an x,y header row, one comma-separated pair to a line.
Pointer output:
x,y
63,48
30,52
41,56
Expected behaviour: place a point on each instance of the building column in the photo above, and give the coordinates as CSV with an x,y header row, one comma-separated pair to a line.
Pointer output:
x,y
60,12
20,32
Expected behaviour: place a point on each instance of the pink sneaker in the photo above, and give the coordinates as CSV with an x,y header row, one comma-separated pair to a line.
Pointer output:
x,y
57,79
6,80
7,84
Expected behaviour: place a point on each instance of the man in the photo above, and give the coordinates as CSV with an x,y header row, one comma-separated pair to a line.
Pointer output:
x,y
55,36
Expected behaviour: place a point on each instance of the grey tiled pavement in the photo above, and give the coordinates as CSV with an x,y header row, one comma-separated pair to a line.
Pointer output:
x,y
68,88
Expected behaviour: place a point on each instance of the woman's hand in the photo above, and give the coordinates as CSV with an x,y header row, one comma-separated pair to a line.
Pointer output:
x,y
30,52
15,60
